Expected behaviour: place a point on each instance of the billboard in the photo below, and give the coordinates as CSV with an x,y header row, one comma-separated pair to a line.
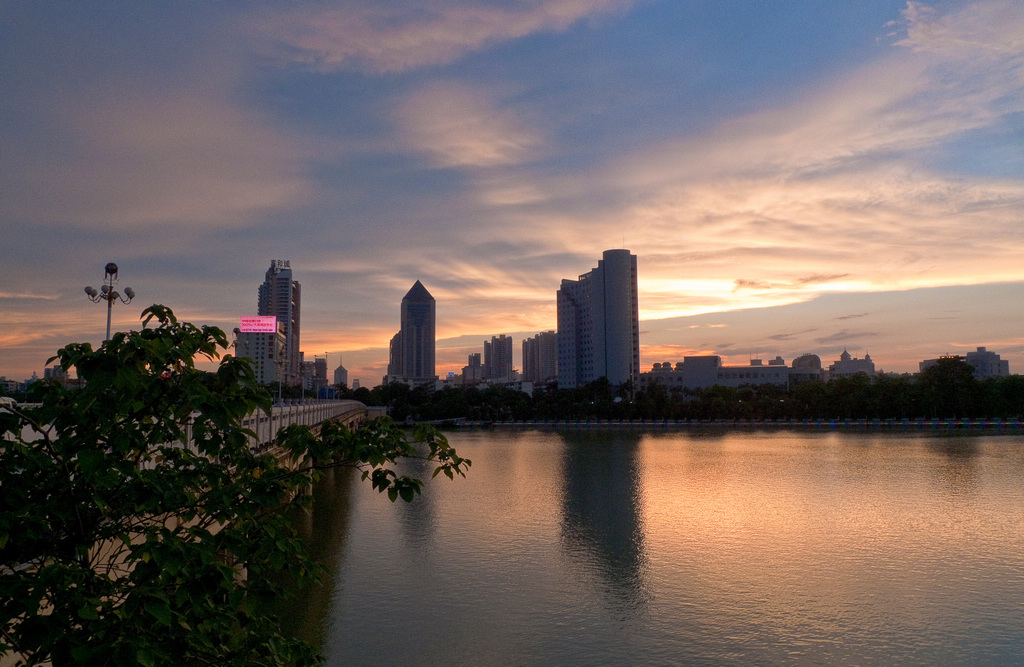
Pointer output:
x,y
258,324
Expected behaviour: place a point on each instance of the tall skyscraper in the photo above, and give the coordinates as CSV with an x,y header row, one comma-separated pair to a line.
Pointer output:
x,y
498,358
281,296
412,348
599,324
540,357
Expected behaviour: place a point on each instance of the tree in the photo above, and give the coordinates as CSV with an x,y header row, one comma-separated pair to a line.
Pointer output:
x,y
121,545
948,388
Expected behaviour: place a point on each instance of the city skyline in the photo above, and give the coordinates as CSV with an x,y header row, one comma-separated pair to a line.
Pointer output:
x,y
808,180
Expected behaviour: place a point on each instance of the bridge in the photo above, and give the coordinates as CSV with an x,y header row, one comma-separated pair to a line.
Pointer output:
x,y
311,413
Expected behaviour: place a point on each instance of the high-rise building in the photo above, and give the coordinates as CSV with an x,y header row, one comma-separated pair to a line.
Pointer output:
x,y
540,358
412,348
320,372
281,296
341,376
498,358
598,323
308,373
472,372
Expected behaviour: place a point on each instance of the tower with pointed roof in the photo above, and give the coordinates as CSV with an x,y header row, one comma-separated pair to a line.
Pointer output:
x,y
412,348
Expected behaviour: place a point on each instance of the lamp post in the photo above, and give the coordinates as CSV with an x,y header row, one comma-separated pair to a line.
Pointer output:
x,y
108,293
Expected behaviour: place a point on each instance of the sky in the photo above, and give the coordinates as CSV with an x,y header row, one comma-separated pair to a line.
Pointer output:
x,y
799,177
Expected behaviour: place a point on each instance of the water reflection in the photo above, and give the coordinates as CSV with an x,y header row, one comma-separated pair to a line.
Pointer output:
x,y
959,474
324,528
617,548
602,523
417,518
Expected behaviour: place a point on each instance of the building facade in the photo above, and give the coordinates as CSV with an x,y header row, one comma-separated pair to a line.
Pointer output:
x,y
598,323
498,358
473,371
281,296
412,348
987,364
267,351
540,358
846,366
701,372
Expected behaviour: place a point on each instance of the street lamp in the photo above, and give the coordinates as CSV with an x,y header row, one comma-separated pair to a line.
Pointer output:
x,y
108,293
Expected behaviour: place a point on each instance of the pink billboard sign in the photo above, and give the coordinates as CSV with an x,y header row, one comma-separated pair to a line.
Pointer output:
x,y
259,324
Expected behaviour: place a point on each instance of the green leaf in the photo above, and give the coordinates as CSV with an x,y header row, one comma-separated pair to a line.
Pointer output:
x,y
88,612
159,610
146,657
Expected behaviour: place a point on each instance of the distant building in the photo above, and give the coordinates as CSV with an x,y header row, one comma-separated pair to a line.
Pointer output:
x,y
57,374
412,348
473,372
847,366
340,376
987,364
281,296
700,372
355,384
308,373
598,323
806,368
395,364
540,358
267,352
320,372
498,358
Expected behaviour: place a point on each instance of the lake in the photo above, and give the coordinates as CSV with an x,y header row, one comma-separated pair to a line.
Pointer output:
x,y
618,547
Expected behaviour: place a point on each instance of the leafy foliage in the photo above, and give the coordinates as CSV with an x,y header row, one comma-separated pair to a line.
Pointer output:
x,y
137,523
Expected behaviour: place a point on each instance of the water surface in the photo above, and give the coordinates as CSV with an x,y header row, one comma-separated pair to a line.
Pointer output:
x,y
623,547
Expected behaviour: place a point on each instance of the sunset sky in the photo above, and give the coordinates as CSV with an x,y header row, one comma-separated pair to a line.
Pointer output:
x,y
794,177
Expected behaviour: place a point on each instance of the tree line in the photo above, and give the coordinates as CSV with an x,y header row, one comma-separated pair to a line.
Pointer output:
x,y
947,389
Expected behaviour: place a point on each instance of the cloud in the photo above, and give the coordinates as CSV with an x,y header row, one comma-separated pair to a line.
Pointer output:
x,y
150,156
855,187
804,281
460,126
399,36
844,336
28,295
795,335
981,28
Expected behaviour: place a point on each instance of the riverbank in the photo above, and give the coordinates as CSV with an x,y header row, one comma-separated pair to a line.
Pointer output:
x,y
997,425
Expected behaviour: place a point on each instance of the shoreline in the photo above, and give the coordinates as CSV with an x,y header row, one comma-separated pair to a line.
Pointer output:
x,y
997,425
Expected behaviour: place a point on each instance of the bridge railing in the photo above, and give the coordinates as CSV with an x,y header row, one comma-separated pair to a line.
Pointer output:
x,y
309,413
265,426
